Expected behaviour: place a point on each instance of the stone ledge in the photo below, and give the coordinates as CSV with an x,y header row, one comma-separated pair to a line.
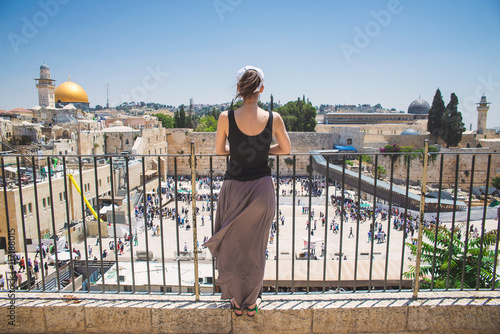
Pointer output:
x,y
436,312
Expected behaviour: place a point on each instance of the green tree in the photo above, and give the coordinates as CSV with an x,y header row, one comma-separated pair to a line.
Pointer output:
x,y
381,171
495,182
272,103
167,121
452,123
298,116
435,121
176,118
215,113
207,124
458,260
182,123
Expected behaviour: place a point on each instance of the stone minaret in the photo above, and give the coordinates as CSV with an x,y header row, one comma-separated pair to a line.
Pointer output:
x,y
45,86
482,111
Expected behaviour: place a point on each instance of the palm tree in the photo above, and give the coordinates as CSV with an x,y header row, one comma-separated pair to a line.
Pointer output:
x,y
470,261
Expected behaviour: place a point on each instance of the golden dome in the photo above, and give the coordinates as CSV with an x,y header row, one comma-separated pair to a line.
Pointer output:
x,y
70,92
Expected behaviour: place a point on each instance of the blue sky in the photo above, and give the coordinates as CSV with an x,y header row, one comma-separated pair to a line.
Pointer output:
x,y
334,52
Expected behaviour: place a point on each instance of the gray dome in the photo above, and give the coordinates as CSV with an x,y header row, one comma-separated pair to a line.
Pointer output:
x,y
419,107
44,66
410,132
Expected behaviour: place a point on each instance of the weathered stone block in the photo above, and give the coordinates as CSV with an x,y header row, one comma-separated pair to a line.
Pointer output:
x,y
26,314
454,318
65,318
106,319
174,320
363,319
274,321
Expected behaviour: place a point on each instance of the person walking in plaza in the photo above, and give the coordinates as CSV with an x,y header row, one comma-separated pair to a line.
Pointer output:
x,y
36,268
246,204
351,234
22,265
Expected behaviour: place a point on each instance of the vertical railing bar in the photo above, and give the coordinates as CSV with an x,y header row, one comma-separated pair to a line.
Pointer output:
x,y
112,178
212,219
342,213
407,160
453,222
145,215
389,218
483,229
54,237
357,226
277,220
495,261
162,231
420,221
309,226
22,214
131,234
195,227
177,224
437,221
327,198
293,221
466,245
69,223
84,223
7,219
38,228
374,221
96,180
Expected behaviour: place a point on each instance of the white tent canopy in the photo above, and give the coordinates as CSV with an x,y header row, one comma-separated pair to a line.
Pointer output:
x,y
107,208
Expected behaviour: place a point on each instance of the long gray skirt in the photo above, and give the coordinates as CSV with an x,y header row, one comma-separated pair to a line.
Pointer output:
x,y
245,211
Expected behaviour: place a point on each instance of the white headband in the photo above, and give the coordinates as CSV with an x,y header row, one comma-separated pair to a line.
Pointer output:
x,y
259,72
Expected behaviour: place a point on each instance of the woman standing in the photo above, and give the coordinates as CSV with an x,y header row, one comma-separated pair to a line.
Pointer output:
x,y
246,204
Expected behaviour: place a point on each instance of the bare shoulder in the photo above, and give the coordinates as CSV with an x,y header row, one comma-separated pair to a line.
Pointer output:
x,y
223,115
277,118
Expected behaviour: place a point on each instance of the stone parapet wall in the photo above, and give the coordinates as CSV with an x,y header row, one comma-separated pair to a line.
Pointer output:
x,y
432,312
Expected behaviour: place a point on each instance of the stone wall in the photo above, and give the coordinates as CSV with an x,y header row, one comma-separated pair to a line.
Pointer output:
x,y
179,142
435,312
449,168
91,142
117,142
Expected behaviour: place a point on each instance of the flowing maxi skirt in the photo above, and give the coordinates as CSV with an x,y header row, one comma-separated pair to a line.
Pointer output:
x,y
245,211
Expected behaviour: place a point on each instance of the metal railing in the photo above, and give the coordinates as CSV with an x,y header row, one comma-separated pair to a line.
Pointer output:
x,y
373,193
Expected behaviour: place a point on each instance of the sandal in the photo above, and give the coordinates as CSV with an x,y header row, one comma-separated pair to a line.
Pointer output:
x,y
235,308
255,309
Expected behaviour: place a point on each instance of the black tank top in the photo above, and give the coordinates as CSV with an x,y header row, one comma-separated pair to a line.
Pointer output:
x,y
248,154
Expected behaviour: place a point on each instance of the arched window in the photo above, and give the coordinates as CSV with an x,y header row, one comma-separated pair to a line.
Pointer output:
x,y
478,146
349,141
126,141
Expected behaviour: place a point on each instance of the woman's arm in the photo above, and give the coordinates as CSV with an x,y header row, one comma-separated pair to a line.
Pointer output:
x,y
222,132
283,146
